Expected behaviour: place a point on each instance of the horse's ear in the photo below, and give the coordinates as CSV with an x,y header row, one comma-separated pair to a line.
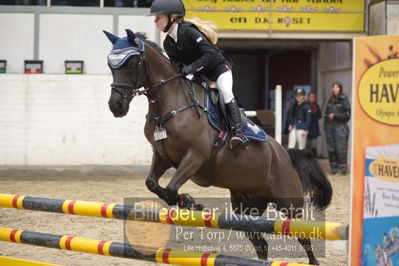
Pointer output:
x,y
111,37
131,37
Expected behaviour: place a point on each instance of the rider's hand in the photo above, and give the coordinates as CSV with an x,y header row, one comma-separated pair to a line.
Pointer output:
x,y
186,70
289,128
331,116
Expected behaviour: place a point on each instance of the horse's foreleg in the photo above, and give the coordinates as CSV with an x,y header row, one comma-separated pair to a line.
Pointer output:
x,y
187,168
158,168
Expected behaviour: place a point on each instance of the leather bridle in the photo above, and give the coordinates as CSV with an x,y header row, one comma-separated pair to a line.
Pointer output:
x,y
128,91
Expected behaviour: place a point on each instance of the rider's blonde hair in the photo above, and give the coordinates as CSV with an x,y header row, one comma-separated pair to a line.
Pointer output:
x,y
208,28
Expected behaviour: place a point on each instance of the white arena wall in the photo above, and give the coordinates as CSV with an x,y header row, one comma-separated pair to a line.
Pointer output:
x,y
56,34
60,121
18,30
54,121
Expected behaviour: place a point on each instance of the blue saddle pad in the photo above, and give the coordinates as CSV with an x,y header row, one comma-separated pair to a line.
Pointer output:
x,y
250,130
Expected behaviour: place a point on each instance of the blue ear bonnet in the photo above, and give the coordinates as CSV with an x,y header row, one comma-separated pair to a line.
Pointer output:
x,y
122,50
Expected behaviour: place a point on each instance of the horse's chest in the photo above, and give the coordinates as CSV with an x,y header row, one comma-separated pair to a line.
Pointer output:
x,y
167,148
161,147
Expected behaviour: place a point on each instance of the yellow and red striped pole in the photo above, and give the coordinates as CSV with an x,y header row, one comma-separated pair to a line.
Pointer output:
x,y
297,228
110,248
19,262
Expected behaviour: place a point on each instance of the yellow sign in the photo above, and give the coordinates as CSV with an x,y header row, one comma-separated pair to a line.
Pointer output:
x,y
281,15
375,146
385,169
379,92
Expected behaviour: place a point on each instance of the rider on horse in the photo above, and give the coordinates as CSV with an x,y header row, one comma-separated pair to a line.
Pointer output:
x,y
190,45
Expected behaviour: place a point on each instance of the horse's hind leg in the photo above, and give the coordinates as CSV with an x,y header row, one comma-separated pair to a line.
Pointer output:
x,y
307,245
293,208
243,205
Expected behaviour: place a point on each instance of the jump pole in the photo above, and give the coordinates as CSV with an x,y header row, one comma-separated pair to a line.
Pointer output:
x,y
19,262
115,249
296,228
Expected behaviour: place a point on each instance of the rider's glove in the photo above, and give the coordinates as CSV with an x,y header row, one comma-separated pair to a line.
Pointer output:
x,y
186,70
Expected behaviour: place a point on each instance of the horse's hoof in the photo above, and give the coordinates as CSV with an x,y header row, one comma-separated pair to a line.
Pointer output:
x,y
199,207
187,202
314,262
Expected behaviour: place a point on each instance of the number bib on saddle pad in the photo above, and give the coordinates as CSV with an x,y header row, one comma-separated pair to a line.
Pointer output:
x,y
250,130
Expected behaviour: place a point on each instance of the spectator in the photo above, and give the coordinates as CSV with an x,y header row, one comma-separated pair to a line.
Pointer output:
x,y
24,2
337,115
298,121
142,3
75,3
314,130
289,100
118,3
128,3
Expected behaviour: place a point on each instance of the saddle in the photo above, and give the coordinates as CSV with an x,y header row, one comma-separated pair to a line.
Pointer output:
x,y
216,98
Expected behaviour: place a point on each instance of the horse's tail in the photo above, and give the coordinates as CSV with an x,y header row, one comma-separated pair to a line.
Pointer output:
x,y
313,179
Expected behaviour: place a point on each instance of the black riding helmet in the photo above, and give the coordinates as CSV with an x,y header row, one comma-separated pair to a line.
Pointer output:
x,y
168,7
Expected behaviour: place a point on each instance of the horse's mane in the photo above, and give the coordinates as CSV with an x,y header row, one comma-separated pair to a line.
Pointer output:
x,y
142,36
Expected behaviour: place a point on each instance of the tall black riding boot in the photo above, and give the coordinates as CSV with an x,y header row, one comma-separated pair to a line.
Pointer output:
x,y
238,139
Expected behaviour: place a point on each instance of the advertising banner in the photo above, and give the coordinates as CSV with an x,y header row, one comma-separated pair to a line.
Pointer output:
x,y
281,15
375,152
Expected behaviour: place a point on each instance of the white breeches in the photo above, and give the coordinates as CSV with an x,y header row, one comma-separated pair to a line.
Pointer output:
x,y
295,136
225,85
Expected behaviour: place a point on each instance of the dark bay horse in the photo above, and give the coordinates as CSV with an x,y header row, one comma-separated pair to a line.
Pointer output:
x,y
263,172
